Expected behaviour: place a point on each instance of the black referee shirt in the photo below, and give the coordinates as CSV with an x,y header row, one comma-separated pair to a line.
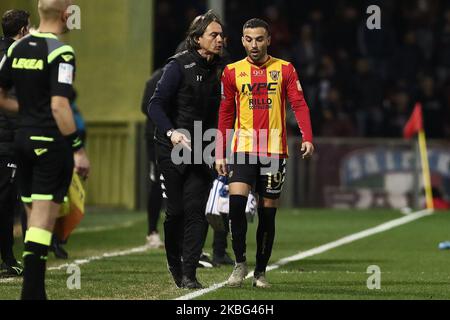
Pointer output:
x,y
39,66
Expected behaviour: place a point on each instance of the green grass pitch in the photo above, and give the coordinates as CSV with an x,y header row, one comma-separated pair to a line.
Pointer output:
x,y
412,266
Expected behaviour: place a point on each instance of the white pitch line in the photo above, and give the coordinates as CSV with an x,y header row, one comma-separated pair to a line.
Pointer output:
x,y
7,280
323,248
101,257
107,228
88,260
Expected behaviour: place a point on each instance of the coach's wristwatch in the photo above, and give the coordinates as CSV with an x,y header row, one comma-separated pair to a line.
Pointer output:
x,y
170,133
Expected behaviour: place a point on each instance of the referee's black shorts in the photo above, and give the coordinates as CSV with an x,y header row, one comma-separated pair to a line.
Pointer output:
x,y
265,174
44,164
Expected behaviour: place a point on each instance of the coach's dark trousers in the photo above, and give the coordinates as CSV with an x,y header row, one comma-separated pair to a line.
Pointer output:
x,y
8,204
186,189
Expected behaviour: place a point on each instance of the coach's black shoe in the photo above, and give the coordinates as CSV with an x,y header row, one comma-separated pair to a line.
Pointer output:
x,y
177,276
223,260
191,283
14,269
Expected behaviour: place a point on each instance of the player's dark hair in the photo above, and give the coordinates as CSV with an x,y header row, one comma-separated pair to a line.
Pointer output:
x,y
198,28
257,23
13,21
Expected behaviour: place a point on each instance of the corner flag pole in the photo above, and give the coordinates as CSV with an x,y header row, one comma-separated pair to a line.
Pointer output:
x,y
425,169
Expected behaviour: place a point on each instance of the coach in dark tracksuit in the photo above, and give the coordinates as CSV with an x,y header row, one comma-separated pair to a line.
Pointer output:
x,y
188,91
8,192
15,26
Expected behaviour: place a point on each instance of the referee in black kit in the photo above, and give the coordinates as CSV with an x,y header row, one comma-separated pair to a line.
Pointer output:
x,y
41,68
188,91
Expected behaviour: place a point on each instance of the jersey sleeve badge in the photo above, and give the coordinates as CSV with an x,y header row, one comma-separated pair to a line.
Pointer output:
x,y
65,73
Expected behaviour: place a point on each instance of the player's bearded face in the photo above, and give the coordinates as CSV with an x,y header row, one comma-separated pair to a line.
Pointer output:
x,y
255,42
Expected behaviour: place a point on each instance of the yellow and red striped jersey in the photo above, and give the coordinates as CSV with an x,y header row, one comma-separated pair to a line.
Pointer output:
x,y
254,102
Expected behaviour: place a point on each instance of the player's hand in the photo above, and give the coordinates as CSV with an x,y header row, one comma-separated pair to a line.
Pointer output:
x,y
82,165
178,137
8,104
307,150
221,167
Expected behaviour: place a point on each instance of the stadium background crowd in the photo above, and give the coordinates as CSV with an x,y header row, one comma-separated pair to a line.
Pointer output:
x,y
358,82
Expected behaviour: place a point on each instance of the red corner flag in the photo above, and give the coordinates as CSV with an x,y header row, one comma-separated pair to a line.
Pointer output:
x,y
415,123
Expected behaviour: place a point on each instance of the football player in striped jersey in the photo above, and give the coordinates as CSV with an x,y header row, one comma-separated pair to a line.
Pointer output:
x,y
255,91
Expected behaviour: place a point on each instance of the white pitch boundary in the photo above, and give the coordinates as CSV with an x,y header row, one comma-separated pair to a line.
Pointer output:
x,y
7,280
101,257
323,248
88,260
127,224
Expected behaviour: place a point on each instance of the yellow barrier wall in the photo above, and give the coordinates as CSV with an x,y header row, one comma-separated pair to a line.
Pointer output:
x,y
113,50
112,151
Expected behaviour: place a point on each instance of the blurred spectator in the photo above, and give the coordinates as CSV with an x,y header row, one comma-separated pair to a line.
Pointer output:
x,y
397,109
407,59
446,115
336,119
281,34
433,109
443,49
306,54
306,57
57,243
343,31
326,77
378,45
79,120
367,96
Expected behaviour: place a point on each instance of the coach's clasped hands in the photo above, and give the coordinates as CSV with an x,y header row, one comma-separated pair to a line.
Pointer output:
x,y
178,137
307,149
